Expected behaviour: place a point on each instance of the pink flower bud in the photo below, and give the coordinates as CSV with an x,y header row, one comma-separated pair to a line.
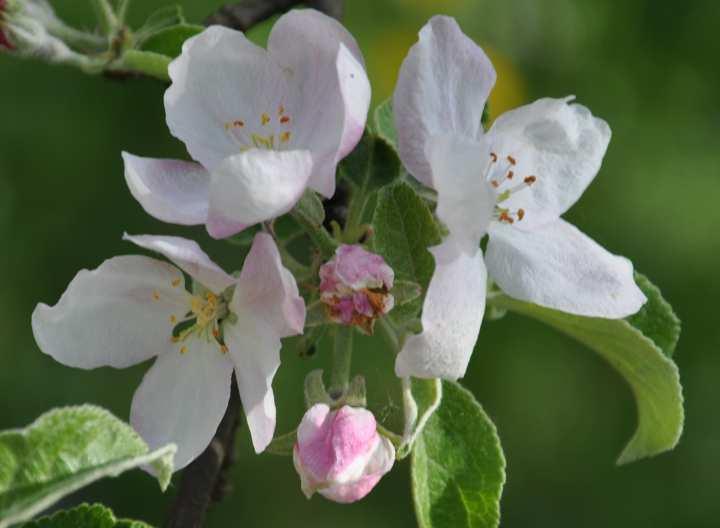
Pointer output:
x,y
355,286
340,454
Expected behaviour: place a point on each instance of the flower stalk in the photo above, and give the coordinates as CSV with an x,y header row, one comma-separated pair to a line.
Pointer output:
x,y
341,361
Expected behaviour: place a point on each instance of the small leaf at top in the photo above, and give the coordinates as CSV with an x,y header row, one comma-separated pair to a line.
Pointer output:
x,y
64,450
656,318
85,516
426,396
310,208
371,165
169,40
458,466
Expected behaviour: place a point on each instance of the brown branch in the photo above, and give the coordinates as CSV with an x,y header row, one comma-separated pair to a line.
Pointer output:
x,y
205,481
246,14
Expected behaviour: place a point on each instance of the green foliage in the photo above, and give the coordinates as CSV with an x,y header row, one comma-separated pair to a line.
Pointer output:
x,y
426,397
169,40
653,377
310,209
405,291
282,444
384,123
85,516
371,165
404,229
458,466
64,450
656,319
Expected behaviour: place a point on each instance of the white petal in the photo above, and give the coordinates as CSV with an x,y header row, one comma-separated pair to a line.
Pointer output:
x,y
561,144
255,186
116,315
255,350
188,256
451,317
442,88
466,200
170,190
183,398
268,289
331,88
559,267
220,78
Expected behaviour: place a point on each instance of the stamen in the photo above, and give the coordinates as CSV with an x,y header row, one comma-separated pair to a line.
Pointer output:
x,y
494,183
511,160
285,137
175,283
264,119
173,319
493,157
281,110
284,119
156,295
183,349
510,175
521,214
530,180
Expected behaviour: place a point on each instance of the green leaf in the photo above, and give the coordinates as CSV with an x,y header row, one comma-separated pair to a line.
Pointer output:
x,y
371,165
64,450
458,466
310,209
653,377
424,399
85,516
656,318
148,63
169,40
405,291
282,445
404,229
384,123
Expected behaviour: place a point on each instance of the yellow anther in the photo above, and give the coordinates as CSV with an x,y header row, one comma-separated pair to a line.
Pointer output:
x,y
285,137
223,349
156,295
173,319
264,119
175,283
183,349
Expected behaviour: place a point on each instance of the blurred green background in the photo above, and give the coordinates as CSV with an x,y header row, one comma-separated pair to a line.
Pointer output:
x,y
649,67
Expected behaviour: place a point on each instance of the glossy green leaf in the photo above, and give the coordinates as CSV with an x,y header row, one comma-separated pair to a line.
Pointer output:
x,y
85,516
653,377
169,40
384,123
656,319
64,450
458,466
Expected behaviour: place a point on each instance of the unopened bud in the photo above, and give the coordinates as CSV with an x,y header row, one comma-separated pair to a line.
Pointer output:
x,y
355,287
339,454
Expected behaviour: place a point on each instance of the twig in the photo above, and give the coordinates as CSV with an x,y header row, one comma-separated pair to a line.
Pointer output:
x,y
205,480
244,15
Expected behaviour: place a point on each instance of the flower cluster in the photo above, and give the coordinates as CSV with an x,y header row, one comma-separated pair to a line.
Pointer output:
x,y
265,126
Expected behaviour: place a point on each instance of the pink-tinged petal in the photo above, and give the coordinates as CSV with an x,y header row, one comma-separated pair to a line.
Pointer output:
x,y
559,267
442,88
116,315
451,317
183,398
331,91
357,268
170,190
466,200
188,256
220,80
255,186
268,290
340,454
560,144
255,350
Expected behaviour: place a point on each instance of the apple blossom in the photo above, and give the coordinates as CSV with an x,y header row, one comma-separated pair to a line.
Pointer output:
x,y
355,287
261,124
133,308
340,454
512,183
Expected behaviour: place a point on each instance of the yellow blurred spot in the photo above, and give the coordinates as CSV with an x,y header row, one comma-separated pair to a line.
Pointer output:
x,y
510,89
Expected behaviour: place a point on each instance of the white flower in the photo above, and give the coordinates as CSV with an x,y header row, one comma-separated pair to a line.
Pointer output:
x,y
133,308
511,183
262,124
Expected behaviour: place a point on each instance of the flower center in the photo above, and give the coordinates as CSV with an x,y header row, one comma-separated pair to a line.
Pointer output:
x,y
501,175
272,131
203,320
